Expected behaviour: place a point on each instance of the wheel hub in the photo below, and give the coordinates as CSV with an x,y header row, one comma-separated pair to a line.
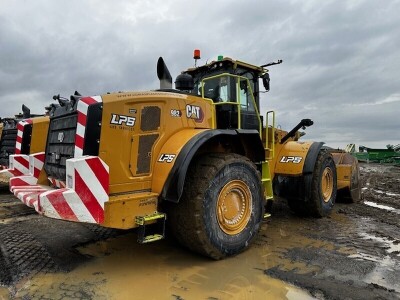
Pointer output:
x,y
327,184
234,207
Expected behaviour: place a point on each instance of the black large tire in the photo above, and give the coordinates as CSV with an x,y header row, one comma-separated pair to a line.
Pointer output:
x,y
316,199
221,208
323,186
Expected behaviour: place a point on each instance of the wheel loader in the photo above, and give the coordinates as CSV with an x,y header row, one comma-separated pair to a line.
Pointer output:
x,y
198,159
24,134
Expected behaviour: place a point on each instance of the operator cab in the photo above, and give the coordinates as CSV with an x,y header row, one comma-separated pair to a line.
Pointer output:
x,y
233,87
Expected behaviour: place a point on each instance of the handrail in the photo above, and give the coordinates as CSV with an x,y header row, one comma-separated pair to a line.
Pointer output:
x,y
237,103
272,149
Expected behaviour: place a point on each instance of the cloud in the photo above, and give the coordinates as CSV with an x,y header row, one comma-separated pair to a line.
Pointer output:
x,y
390,99
341,58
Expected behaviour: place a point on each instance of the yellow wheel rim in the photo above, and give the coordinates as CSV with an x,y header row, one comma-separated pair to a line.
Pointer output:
x,y
327,184
234,207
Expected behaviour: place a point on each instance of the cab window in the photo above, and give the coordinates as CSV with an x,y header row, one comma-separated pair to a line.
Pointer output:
x,y
245,96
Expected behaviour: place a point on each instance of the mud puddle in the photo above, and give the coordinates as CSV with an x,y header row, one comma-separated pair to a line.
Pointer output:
x,y
338,258
122,269
360,258
12,210
385,207
390,246
4,293
352,254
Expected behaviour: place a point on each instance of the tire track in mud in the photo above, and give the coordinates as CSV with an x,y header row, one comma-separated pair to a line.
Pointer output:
x,y
352,265
31,244
330,288
360,253
46,246
22,255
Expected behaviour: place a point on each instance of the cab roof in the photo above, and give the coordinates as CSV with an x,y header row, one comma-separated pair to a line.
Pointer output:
x,y
226,63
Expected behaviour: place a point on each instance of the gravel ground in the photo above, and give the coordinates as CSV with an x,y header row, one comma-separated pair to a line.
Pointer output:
x,y
352,254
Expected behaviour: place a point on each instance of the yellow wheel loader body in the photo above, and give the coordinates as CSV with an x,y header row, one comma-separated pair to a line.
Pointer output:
x,y
292,162
197,154
145,133
158,126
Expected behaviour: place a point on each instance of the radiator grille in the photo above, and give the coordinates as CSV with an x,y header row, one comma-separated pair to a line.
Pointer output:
x,y
60,145
7,145
146,143
150,119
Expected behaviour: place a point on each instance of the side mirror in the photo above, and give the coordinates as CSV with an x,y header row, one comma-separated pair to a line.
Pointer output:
x,y
266,80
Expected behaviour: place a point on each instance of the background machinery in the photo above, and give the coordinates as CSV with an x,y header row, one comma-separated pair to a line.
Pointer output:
x,y
196,157
22,135
390,154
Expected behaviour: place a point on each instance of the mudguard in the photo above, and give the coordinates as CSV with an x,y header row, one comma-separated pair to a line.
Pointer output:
x,y
173,185
292,158
293,180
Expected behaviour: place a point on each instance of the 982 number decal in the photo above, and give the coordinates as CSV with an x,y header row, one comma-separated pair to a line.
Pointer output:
x,y
176,113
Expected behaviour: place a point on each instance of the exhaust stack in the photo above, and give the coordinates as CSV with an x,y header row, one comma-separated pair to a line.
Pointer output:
x,y
163,74
26,112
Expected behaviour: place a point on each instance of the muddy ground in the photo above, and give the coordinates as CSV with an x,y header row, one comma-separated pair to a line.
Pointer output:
x,y
353,254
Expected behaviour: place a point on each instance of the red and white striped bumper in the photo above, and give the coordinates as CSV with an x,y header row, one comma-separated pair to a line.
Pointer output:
x,y
18,165
20,133
25,187
85,194
80,199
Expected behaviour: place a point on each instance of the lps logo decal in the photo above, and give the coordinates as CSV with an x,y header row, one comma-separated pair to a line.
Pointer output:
x,y
122,120
194,112
291,159
166,158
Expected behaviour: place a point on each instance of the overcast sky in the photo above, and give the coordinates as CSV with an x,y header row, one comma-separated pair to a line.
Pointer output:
x,y
341,58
